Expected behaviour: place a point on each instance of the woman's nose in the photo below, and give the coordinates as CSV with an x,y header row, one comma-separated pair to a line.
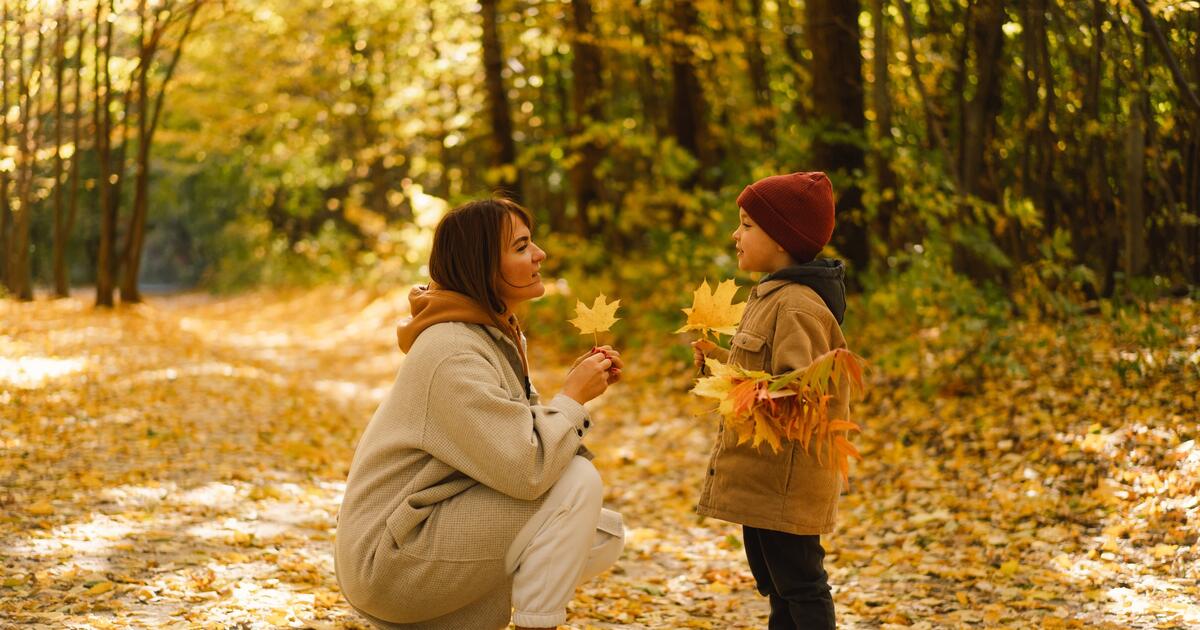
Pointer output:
x,y
539,254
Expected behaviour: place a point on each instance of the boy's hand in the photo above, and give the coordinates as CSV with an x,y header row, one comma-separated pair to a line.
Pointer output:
x,y
700,349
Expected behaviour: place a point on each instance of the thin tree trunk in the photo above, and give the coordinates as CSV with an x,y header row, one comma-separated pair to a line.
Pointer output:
x,y
1189,237
76,118
587,107
801,68
984,107
505,149
688,105
882,104
1134,259
137,219
958,90
1047,138
933,128
5,210
62,28
1029,102
648,86
764,115
148,117
20,279
103,122
833,33
1100,223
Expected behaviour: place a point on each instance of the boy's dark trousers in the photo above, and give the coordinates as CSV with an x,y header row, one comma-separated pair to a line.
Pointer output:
x,y
789,570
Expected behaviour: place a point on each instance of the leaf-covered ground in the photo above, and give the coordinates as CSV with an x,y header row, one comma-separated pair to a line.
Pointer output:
x,y
181,462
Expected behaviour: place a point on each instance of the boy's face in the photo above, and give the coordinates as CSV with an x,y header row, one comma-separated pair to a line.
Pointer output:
x,y
755,250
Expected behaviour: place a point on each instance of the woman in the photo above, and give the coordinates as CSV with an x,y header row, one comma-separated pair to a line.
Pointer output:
x,y
468,498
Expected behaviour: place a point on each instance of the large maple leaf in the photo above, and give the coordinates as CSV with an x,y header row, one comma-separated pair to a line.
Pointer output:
x,y
713,311
597,319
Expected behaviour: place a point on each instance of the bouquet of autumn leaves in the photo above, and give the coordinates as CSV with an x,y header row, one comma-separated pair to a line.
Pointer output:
x,y
760,407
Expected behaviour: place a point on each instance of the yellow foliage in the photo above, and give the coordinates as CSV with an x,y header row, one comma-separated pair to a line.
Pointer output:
x,y
713,311
761,408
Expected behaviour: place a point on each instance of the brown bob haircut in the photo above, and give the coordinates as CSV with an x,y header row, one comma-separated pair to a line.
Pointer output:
x,y
467,245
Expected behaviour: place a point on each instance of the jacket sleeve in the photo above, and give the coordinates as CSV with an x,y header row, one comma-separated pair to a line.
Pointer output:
x,y
506,444
800,337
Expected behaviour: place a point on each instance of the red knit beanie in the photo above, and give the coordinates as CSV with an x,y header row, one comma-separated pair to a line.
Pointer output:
x,y
795,210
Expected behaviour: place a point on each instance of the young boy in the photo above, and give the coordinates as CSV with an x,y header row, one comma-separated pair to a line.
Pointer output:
x,y
783,500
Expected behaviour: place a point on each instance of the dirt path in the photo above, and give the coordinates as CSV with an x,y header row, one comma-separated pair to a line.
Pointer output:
x,y
180,464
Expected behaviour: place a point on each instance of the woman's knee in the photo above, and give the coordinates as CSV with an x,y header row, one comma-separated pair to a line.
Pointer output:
x,y
582,483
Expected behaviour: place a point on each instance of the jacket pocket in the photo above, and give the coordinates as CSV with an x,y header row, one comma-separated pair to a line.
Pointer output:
x,y
749,350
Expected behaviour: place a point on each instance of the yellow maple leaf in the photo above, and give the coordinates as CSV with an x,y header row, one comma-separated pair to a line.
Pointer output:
x,y
597,319
713,311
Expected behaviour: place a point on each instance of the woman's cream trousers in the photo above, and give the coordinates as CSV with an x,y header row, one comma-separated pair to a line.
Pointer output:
x,y
571,539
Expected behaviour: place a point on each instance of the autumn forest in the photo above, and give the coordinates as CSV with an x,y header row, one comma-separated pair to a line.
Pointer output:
x,y
212,212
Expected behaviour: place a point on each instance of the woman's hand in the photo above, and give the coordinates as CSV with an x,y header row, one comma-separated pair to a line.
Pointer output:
x,y
593,373
700,350
614,373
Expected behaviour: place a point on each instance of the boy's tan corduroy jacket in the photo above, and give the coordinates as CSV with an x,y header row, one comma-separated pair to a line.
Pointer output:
x,y
455,461
784,327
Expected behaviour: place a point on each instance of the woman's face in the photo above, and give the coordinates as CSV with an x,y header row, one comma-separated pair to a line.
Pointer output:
x,y
520,260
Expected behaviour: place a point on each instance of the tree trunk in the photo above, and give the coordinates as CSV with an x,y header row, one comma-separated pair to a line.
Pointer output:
x,y
62,28
984,107
1134,260
764,114
5,209
102,85
587,107
935,137
505,149
882,104
833,34
801,67
1099,225
1047,137
1190,236
688,105
135,234
61,266
20,279
648,85
148,117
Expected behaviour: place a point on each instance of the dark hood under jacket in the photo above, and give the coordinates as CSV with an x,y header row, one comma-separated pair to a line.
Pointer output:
x,y
825,276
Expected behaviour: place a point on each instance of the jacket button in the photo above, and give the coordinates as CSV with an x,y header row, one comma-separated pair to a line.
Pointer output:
x,y
580,432
587,423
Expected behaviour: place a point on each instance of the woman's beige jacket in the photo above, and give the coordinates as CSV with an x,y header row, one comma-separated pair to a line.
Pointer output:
x,y
451,466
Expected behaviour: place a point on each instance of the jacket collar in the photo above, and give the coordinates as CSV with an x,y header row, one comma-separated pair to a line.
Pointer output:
x,y
824,276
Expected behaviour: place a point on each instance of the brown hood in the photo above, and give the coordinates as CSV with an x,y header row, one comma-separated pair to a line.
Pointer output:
x,y
434,305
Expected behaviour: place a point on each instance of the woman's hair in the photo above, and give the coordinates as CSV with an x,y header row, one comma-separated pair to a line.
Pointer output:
x,y
467,245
